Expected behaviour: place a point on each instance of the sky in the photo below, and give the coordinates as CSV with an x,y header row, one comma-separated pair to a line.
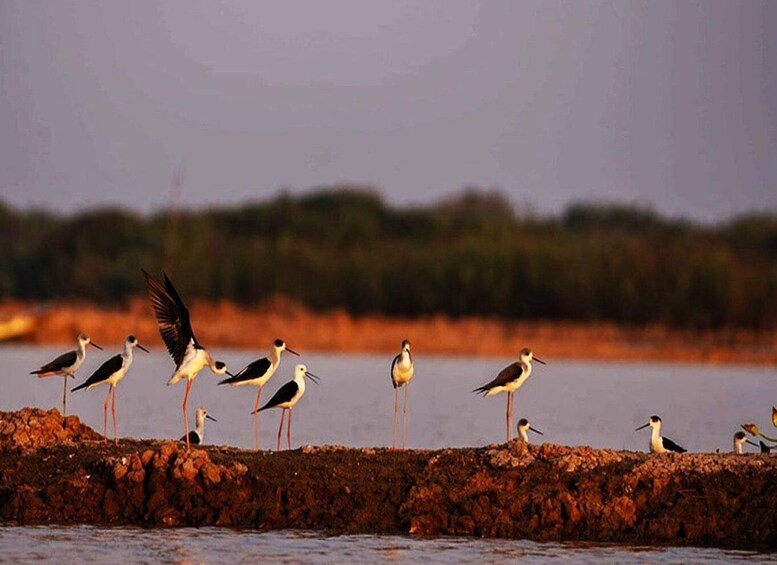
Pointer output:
x,y
670,105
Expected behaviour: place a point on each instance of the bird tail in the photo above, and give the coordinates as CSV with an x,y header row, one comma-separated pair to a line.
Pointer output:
x,y
227,381
79,387
481,389
764,448
174,379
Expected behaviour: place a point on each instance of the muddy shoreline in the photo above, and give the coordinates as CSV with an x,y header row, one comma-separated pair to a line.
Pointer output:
x,y
58,471
233,326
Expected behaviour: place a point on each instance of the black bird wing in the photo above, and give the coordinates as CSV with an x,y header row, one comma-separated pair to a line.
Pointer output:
x,y
103,373
253,370
283,394
64,360
172,317
194,437
391,374
505,376
765,448
669,445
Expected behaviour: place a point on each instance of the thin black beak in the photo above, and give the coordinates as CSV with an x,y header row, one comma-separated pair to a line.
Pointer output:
x,y
209,417
230,374
536,431
312,377
752,443
95,345
141,347
290,350
538,360
641,427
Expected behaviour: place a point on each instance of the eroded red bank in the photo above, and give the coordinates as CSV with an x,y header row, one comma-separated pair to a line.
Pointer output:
x,y
55,470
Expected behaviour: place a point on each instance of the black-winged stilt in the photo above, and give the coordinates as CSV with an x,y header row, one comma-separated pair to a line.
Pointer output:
x,y
509,380
287,396
257,373
401,373
524,428
176,329
658,443
66,365
110,373
197,435
740,439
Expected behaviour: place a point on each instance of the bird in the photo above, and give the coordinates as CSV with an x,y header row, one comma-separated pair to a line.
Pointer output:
x,y
401,373
257,373
658,443
66,365
765,448
176,329
197,435
509,380
287,396
524,428
110,373
740,439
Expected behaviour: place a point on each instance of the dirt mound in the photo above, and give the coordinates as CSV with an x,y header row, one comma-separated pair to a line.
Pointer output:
x,y
32,428
50,474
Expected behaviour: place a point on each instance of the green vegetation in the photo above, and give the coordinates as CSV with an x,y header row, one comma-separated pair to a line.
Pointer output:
x,y
469,255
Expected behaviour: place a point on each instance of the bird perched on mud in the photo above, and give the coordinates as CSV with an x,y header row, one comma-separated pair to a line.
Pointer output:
x,y
287,396
257,373
658,443
176,329
197,435
509,380
524,428
66,365
401,373
110,373
740,439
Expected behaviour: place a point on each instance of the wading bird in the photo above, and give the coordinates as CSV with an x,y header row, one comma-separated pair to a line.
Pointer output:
x,y
190,357
66,365
401,373
740,439
287,396
659,444
509,380
110,373
257,373
197,435
524,428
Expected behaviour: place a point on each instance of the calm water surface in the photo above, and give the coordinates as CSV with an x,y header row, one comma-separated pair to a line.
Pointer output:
x,y
574,403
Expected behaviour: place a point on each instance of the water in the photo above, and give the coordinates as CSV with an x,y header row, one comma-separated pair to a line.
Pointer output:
x,y
574,403
84,544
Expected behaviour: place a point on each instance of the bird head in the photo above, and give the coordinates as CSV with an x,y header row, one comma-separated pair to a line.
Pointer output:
x,y
527,356
85,340
280,345
301,371
132,341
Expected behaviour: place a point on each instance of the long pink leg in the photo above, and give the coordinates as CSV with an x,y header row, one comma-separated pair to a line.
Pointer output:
x,y
404,416
283,413
113,409
256,418
185,412
396,410
288,430
64,398
507,416
105,414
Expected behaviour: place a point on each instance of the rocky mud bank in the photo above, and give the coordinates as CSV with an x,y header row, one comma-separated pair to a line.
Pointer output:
x,y
55,470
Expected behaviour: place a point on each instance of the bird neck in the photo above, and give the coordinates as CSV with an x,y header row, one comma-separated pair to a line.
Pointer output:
x,y
524,435
81,350
300,380
655,434
275,356
405,359
737,447
127,353
200,426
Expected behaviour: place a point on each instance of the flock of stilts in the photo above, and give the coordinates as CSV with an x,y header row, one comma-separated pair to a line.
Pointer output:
x,y
191,357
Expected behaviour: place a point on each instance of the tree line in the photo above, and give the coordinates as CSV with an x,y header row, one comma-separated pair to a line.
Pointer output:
x,y
472,254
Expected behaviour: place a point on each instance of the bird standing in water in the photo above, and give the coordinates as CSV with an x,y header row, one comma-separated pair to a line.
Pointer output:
x,y
176,329
401,373
110,373
66,365
509,380
257,373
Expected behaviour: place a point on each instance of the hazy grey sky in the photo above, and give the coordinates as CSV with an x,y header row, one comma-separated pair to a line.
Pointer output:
x,y
670,104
